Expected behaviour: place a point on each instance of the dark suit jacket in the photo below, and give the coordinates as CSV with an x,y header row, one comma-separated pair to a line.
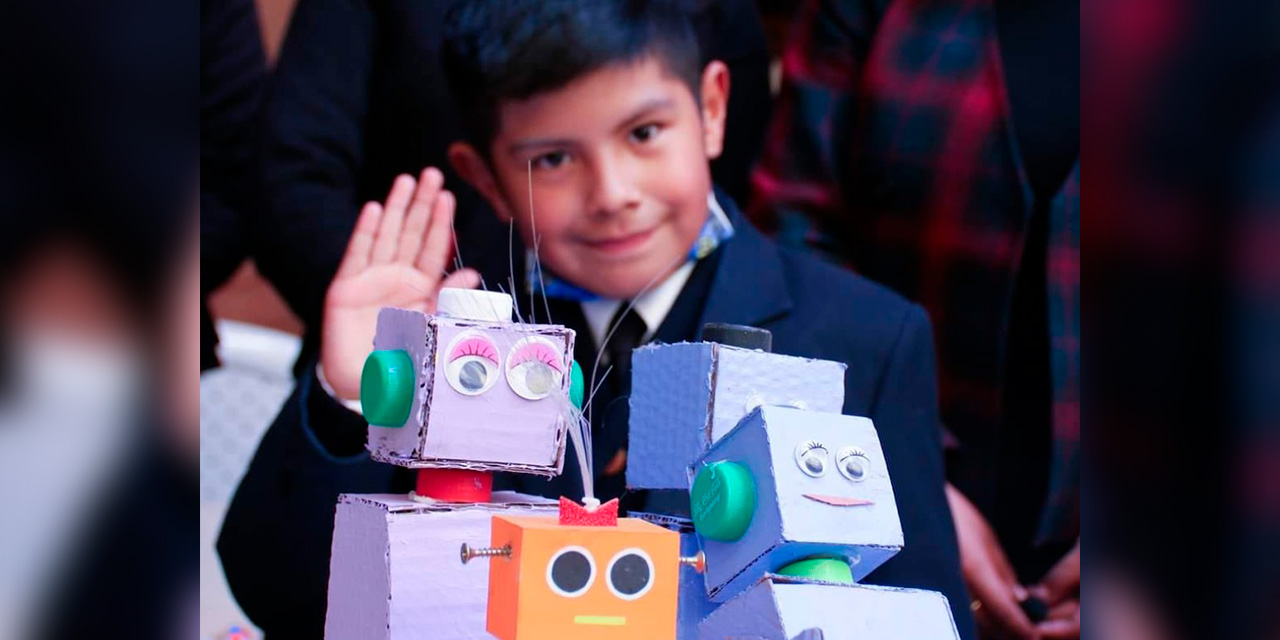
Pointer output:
x,y
359,96
233,75
275,542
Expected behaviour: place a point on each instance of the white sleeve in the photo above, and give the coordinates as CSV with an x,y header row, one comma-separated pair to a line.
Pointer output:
x,y
353,405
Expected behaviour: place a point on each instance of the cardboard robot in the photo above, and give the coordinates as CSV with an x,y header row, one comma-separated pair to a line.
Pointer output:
x,y
465,392
586,574
794,508
781,607
686,396
457,395
791,501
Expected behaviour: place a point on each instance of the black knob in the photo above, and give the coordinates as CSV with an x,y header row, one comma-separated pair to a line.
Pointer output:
x,y
736,335
1035,608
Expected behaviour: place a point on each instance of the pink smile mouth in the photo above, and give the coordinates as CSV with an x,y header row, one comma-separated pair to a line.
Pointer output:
x,y
620,244
838,501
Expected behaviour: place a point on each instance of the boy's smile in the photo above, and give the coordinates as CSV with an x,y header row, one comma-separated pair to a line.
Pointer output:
x,y
617,161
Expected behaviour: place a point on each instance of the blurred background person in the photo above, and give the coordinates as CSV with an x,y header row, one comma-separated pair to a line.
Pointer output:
x,y
133,557
1183,378
935,147
98,173
1255,267
233,83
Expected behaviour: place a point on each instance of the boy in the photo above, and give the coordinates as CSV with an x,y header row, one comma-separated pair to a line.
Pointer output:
x,y
590,128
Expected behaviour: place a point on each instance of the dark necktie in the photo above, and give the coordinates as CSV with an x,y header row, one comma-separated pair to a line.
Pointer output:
x,y
629,334
609,418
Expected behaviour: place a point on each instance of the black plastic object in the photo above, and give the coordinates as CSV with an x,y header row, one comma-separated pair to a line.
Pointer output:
x,y
1035,608
736,335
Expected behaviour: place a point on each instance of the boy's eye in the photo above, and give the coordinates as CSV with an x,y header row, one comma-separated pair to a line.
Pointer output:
x,y
553,160
645,133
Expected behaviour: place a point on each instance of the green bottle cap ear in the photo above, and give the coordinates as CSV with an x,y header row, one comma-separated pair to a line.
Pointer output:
x,y
577,387
386,388
824,569
723,501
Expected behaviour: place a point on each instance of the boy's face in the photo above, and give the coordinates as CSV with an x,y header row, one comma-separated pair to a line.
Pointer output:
x,y
618,164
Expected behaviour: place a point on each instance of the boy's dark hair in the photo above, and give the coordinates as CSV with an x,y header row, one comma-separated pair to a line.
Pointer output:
x,y
497,50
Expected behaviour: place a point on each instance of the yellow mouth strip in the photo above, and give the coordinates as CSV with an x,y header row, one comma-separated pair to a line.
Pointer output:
x,y
608,621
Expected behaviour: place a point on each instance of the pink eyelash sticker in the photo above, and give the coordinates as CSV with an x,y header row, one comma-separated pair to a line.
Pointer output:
x,y
474,346
536,351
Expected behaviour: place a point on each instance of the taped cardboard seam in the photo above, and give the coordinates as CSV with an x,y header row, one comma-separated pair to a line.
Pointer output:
x,y
428,374
713,377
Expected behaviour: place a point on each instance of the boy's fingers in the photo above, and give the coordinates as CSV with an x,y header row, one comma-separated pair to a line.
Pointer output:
x,y
388,240
419,212
361,243
439,237
462,279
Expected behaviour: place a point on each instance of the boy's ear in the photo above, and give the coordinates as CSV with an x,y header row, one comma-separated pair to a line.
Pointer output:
x,y
473,168
715,107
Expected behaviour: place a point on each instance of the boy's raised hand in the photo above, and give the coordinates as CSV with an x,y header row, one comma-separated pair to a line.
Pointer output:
x,y
396,258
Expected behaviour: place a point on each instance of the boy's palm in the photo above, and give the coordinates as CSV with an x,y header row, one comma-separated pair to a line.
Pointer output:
x,y
396,258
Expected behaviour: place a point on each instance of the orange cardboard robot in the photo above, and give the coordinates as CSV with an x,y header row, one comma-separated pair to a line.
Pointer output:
x,y
587,574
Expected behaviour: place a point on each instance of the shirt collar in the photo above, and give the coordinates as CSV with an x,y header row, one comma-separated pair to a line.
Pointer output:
x,y
652,306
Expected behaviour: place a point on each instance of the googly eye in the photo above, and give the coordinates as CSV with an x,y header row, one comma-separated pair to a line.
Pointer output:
x,y
853,463
535,368
811,457
630,573
571,571
471,363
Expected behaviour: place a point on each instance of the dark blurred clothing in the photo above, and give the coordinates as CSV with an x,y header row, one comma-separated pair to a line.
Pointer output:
x,y
1040,56
1255,308
1182,380
931,147
233,74
99,127
359,96
136,572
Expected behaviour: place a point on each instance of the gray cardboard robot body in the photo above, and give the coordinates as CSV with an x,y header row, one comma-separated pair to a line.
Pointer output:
x,y
395,573
778,609
801,513
464,388
495,429
694,604
686,396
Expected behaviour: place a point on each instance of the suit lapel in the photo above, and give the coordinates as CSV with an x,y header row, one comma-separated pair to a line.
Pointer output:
x,y
749,287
